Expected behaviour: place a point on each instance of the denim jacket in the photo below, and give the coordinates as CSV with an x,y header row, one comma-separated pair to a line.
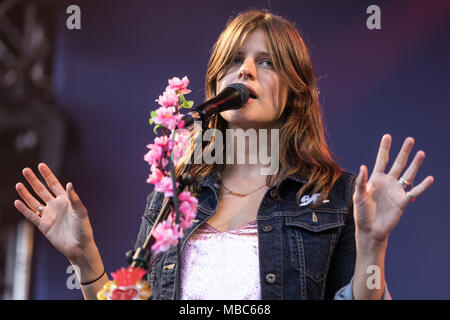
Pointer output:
x,y
304,253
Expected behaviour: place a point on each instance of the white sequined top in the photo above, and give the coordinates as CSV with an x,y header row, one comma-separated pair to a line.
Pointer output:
x,y
221,265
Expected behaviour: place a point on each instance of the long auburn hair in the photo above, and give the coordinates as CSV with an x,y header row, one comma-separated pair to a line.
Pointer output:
x,y
303,148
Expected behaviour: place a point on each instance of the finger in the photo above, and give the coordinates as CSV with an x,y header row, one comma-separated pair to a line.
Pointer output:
x,y
31,201
28,214
51,180
361,180
75,201
37,185
383,154
411,172
402,158
419,189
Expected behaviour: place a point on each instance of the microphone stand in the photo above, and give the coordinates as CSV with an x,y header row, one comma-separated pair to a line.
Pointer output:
x,y
141,256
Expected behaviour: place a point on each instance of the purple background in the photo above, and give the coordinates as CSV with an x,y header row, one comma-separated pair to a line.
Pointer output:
x,y
394,80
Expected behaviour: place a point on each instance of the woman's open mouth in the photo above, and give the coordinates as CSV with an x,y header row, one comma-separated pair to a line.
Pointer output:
x,y
252,93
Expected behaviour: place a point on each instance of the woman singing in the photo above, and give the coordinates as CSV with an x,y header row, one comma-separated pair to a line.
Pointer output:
x,y
307,231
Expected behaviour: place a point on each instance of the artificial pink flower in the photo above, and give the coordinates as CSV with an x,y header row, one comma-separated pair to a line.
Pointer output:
x,y
166,234
155,176
168,99
187,208
179,86
165,185
166,117
182,142
188,215
153,156
164,142
186,196
182,137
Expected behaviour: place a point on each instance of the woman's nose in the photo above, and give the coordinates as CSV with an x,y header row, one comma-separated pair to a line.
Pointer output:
x,y
247,70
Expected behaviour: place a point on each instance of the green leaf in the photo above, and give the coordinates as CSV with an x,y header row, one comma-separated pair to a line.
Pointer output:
x,y
187,104
152,115
156,127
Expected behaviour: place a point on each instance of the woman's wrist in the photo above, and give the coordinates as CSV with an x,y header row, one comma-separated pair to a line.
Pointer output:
x,y
368,244
86,283
88,266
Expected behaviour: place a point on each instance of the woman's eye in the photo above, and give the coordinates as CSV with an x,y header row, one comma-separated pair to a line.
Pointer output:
x,y
267,63
237,60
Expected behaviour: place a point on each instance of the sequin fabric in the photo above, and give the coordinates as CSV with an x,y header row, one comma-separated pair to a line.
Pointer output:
x,y
221,265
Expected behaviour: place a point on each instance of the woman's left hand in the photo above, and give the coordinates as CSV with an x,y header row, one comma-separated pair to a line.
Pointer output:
x,y
379,201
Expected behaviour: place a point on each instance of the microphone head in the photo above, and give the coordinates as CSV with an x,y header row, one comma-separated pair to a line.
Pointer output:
x,y
243,91
232,97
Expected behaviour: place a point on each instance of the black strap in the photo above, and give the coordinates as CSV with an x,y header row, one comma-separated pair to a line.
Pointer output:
x,y
89,282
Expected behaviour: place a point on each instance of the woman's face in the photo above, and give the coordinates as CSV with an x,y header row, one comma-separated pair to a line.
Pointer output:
x,y
253,67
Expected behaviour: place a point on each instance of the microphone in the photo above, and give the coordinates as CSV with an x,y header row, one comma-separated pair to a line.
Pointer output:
x,y
234,96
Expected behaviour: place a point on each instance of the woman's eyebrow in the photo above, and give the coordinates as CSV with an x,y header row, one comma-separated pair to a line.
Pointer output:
x,y
262,54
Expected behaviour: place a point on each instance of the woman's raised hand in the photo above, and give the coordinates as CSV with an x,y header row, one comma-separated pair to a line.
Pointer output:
x,y
379,201
63,219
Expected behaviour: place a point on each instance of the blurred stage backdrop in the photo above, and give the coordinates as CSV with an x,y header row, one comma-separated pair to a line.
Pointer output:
x,y
102,81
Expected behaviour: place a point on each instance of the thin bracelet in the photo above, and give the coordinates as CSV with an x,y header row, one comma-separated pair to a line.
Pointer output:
x,y
90,282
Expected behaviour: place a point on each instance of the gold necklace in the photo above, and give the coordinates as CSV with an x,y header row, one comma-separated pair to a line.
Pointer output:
x,y
237,194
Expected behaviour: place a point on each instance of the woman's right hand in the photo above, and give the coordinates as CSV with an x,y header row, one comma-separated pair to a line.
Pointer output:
x,y
64,219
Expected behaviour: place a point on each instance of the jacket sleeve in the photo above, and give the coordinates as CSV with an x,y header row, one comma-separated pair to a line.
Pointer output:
x,y
152,208
346,293
343,261
145,224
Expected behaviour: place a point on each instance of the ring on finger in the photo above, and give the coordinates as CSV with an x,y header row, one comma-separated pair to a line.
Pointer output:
x,y
39,211
405,184
411,198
